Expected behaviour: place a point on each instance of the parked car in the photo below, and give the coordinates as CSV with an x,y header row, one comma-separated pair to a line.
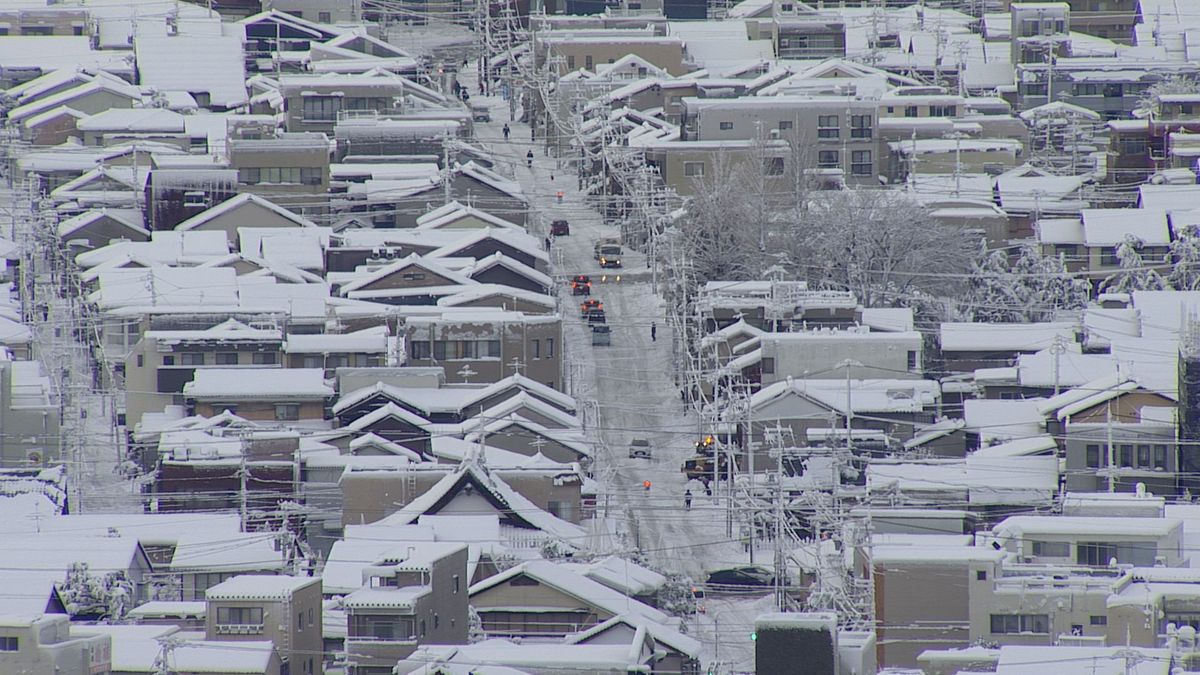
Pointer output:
x,y
581,284
480,113
588,305
596,316
639,448
748,575
560,228
601,335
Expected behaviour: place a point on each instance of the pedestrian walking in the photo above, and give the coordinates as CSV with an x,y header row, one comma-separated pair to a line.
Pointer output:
x,y
687,500
529,160
507,131
646,484
653,332
547,243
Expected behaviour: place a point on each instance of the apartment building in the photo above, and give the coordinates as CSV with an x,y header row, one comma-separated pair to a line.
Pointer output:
x,y
283,609
414,595
291,170
29,414
46,644
485,345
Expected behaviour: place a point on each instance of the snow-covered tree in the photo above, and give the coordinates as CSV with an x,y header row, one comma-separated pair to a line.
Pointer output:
x,y
1133,274
881,245
1174,84
85,594
1033,287
1185,257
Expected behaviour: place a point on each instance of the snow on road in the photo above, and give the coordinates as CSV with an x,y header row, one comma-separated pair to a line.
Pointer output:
x,y
630,380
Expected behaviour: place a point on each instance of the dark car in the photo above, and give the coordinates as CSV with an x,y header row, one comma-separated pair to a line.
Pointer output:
x,y
581,284
588,305
742,576
596,316
560,228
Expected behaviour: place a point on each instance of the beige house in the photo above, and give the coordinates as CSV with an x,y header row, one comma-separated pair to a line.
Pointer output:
x,y
47,643
297,396
283,609
292,168
479,345
243,211
589,49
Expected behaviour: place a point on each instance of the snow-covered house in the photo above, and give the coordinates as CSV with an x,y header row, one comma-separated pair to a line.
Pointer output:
x,y
243,211
252,608
289,395
100,227
203,560
967,347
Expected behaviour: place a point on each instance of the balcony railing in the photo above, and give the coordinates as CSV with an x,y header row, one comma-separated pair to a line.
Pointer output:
x,y
239,628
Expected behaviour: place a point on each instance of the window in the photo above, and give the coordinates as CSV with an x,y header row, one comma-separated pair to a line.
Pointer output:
x,y
1087,89
587,63
456,584
767,365
911,111
1143,456
1020,623
264,358
436,620
10,644
1095,553
912,360
227,358
1126,454
310,616
828,159
321,108
299,620
311,175
1052,549
141,360
942,111
549,348
239,616
323,17
827,126
980,575
189,359
726,126
693,169
773,166
785,125
1098,620
571,62
1108,256
536,348
287,412
420,350
860,162
860,126
1092,456
1160,456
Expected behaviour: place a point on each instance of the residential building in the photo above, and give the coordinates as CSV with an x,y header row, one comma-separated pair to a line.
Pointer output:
x,y
28,414
1093,541
283,609
487,345
47,644
292,395
415,595
290,169
590,49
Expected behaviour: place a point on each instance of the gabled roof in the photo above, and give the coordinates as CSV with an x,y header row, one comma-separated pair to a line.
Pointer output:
x,y
576,586
515,266
513,405
866,396
556,435
345,42
516,238
320,31
449,217
20,113
385,411
413,260
514,508
370,440
491,179
237,202
474,293
126,217
668,637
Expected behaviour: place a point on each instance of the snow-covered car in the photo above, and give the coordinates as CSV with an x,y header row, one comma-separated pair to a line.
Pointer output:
x,y
639,448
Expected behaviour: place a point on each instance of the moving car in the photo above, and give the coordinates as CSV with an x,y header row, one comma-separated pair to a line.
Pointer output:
x,y
581,284
639,448
588,305
560,228
601,335
608,254
480,113
596,316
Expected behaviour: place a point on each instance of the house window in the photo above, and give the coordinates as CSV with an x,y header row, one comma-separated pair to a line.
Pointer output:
x,y
773,166
785,125
264,358
828,159
571,62
1092,456
767,365
287,412
299,621
1143,456
1020,623
549,348
1052,549
860,126
693,169
140,360
323,17
10,644
942,111
827,126
456,584
1160,456
248,618
189,359
1098,620
911,111
912,360
860,162
726,126
436,621
1087,89
1126,454
587,63
227,358
1108,256
536,347
321,108
420,351
1095,553
980,575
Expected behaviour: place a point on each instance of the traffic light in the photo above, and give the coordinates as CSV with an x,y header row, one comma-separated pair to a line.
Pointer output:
x,y
754,636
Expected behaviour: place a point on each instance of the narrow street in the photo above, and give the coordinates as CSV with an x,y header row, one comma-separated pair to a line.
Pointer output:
x,y
630,380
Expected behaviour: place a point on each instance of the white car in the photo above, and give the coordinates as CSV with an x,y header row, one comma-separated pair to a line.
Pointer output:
x,y
639,448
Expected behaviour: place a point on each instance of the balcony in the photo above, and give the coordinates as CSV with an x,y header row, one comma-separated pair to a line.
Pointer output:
x,y
239,628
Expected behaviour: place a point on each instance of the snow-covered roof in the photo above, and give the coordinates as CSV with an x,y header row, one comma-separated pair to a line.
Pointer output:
x,y
368,340
621,575
866,396
1068,369
578,586
259,587
130,218
237,201
1003,337
211,64
229,330
1003,420
390,598
1020,527
1109,227
241,552
271,383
